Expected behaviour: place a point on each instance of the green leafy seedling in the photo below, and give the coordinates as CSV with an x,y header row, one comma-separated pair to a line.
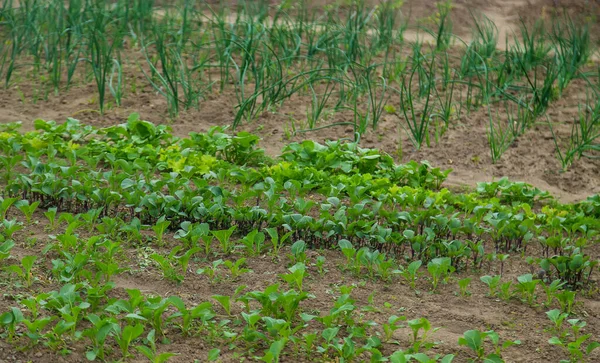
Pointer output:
x,y
36,326
225,302
410,273
492,282
27,209
254,242
98,332
224,238
575,348
463,285
51,216
320,263
127,336
506,292
566,299
5,248
557,318
391,326
274,352
10,320
10,227
24,269
439,268
551,290
236,269
184,260
474,339
277,241
420,341
526,286
151,353
211,271
296,275
160,227
5,206
298,252
348,250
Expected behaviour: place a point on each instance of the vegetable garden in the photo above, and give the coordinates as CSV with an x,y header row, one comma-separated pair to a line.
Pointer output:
x,y
128,240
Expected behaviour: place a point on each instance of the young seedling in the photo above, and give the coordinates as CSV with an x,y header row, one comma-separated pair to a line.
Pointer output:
x,y
126,336
277,241
463,285
160,228
236,268
391,326
526,287
151,353
274,352
347,250
98,332
254,243
492,282
211,271
187,317
10,227
575,347
207,241
566,299
320,263
296,275
170,263
10,320
24,270
51,216
184,260
35,328
551,290
225,302
474,340
5,205
298,252
506,292
557,318
5,248
224,238
439,268
27,209
420,342
410,273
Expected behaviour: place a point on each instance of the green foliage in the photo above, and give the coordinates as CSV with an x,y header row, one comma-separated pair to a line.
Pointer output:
x,y
474,339
439,269
24,270
151,353
224,238
296,275
5,248
463,285
492,282
27,209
